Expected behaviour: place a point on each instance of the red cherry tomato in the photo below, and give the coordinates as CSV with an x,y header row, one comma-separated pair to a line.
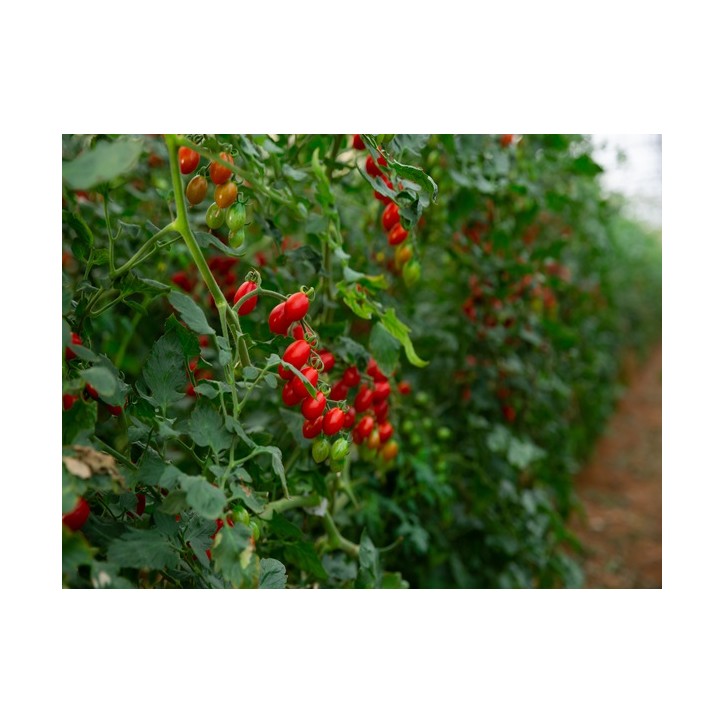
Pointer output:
x,y
278,322
333,421
351,377
69,401
339,391
289,394
91,391
363,400
220,174
312,377
296,306
115,410
381,391
250,304
404,387
313,407
506,139
77,517
312,428
349,418
188,159
375,372
396,235
371,167
390,216
327,359
358,143
381,409
140,503
386,431
380,197
297,353
298,331
363,429
75,339
285,373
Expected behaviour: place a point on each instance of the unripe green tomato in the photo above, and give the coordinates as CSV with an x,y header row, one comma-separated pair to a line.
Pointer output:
x,y
444,433
236,238
340,449
254,530
411,273
415,439
240,515
215,216
236,216
336,466
383,138
422,398
432,158
408,426
320,451
427,423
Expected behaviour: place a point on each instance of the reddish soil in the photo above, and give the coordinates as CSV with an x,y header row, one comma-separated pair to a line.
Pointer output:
x,y
620,491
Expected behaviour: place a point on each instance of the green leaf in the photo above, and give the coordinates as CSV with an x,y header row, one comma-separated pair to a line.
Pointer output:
x,y
233,558
251,499
384,348
282,528
190,312
102,379
586,166
355,300
83,241
206,427
206,499
401,332
187,339
79,422
369,575
164,371
224,351
393,580
76,551
303,555
521,454
273,574
103,163
139,548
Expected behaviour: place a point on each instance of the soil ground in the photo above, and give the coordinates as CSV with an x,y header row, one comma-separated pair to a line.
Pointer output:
x,y
620,490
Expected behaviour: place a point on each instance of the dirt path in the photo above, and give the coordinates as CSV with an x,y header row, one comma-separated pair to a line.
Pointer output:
x,y
620,489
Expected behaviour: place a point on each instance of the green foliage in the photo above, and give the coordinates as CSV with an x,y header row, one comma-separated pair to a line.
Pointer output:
x,y
507,310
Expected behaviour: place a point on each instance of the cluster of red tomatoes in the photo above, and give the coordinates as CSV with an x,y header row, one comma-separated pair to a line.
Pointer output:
x,y
226,208
396,233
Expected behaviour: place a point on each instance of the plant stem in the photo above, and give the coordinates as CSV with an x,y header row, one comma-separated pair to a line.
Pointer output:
x,y
337,540
298,501
146,247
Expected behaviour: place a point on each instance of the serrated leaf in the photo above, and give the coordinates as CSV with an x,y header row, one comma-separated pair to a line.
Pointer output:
x,y
206,427
401,332
139,548
273,574
190,312
102,379
303,555
384,348
369,575
233,558
105,162
251,499
206,499
224,351
164,371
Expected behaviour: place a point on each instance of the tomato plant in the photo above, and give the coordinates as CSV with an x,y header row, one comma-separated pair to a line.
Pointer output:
x,y
369,416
